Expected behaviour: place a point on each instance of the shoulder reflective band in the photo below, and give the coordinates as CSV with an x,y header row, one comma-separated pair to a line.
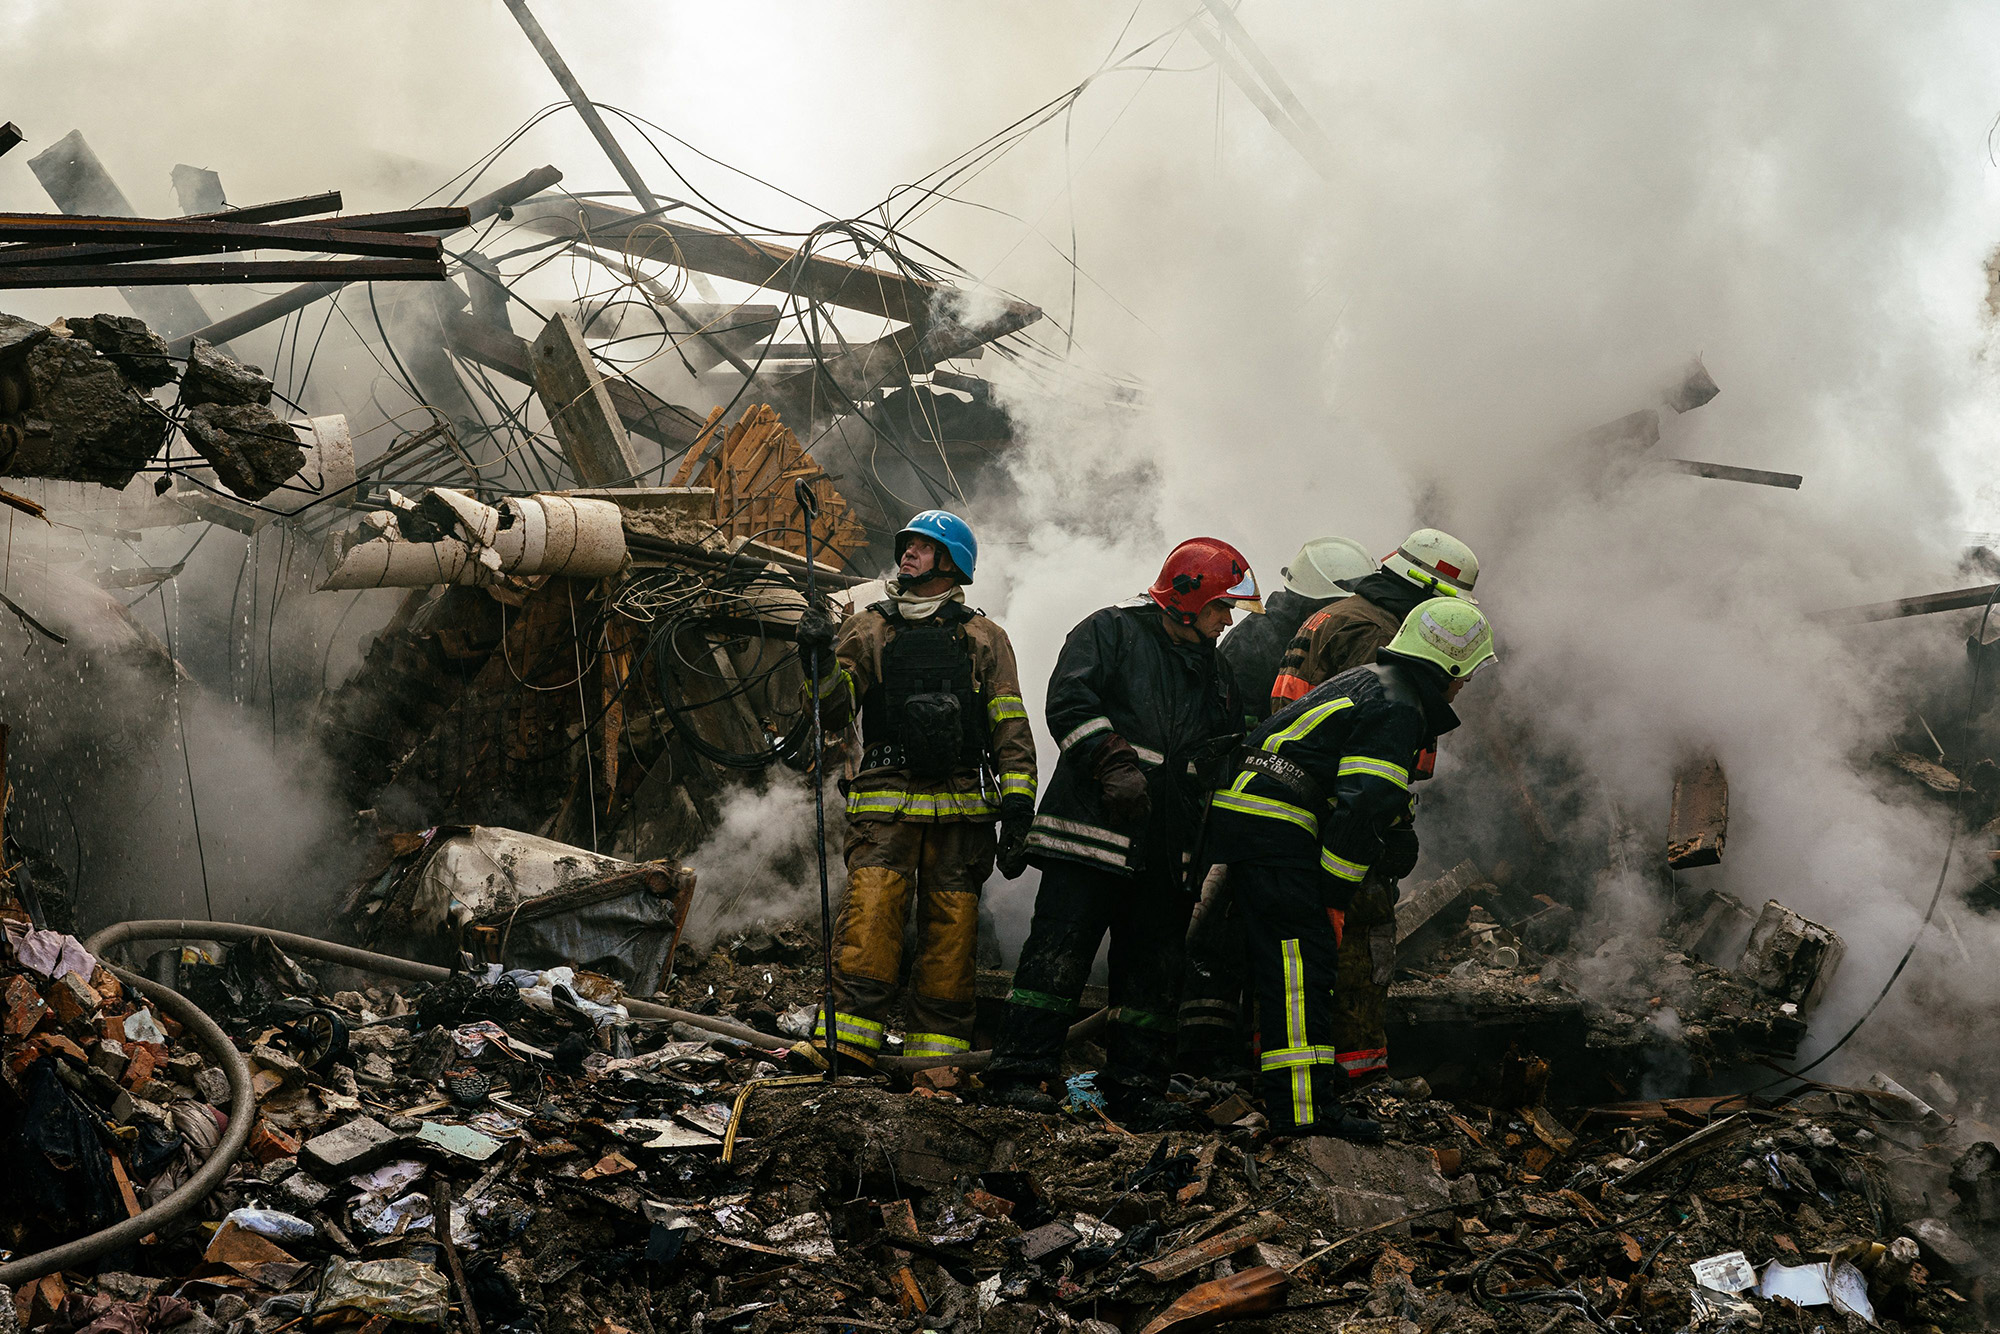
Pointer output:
x,y
1089,729
1374,768
1002,707
1340,868
1304,724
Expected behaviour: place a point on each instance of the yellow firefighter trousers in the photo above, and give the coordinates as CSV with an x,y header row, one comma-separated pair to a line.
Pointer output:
x,y
890,863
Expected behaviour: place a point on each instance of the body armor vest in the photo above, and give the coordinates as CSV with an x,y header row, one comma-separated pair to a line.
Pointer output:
x,y
925,716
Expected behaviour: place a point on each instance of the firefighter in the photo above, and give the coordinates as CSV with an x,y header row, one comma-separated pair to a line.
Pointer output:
x,y
1148,723
1321,803
1212,1038
1313,580
1429,564
1348,634
946,752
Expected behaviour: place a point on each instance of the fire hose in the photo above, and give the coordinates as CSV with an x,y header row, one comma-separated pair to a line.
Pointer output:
x,y
242,1099
388,965
242,1112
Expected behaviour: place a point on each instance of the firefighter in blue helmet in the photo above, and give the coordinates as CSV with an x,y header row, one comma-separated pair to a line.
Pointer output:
x,y
947,755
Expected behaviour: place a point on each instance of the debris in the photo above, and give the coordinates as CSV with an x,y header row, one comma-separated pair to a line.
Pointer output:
x,y
1249,1292
1790,957
1699,821
447,537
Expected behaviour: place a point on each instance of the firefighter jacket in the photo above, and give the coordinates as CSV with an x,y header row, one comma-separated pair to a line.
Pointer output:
x,y
1257,645
1121,674
1328,774
996,756
1345,634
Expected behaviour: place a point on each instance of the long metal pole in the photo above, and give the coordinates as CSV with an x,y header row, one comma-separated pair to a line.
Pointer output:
x,y
809,504
584,106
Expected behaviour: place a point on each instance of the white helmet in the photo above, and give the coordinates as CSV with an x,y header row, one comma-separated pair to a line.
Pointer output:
x,y
1322,563
1437,562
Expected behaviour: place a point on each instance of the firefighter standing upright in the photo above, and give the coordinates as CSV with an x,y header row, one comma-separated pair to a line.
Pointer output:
x,y
1348,634
946,753
1148,722
1321,804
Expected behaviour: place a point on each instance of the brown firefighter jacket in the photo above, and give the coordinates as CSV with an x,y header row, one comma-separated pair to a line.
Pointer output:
x,y
1333,639
968,794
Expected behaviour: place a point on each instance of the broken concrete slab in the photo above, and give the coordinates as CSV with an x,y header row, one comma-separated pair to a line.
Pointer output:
x,y
83,420
356,1146
1370,1184
1420,905
1790,956
252,452
215,377
132,347
1699,821
1943,1247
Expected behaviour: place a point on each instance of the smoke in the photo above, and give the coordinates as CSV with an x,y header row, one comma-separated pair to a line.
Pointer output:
x,y
759,864
1531,219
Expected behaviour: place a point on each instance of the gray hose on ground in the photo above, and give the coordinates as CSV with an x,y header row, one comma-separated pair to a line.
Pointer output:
x,y
388,965
242,1114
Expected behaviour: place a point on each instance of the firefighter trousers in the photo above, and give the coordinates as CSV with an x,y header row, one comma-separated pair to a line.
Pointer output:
x,y
891,864
1214,1035
1294,956
1147,916
1361,996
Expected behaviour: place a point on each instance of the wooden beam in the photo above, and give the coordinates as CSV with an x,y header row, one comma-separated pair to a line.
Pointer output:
x,y
1700,818
409,224
1956,600
580,409
1723,472
643,412
764,264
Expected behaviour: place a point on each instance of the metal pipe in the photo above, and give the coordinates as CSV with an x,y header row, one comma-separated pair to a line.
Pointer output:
x,y
242,1114
388,965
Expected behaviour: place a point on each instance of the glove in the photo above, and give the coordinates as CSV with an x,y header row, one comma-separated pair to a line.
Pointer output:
x,y
1017,816
1121,784
1399,853
814,635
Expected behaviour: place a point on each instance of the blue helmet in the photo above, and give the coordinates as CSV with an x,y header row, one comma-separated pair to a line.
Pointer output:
x,y
948,531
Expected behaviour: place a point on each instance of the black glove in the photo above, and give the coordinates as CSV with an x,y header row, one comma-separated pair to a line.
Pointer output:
x,y
1399,853
1121,784
1017,816
814,636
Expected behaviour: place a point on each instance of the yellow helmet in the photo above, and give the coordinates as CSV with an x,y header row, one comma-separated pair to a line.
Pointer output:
x,y
1447,632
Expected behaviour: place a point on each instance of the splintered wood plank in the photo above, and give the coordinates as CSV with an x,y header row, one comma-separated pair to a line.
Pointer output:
x,y
1700,818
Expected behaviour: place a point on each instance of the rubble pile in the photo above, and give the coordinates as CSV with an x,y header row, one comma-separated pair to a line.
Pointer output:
x,y
112,1107
523,1152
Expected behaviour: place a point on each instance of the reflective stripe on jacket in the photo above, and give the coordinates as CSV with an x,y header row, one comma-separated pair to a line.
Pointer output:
x,y
1356,737
889,794
1120,673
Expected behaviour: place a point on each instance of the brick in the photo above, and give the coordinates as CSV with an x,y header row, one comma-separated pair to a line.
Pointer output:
x,y
74,1000
267,1142
25,1006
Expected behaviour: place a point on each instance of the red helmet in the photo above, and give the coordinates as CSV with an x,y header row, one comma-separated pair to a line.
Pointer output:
x,y
1199,571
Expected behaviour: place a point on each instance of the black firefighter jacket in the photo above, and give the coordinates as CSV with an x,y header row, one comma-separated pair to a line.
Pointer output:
x,y
1120,673
1353,739
1257,645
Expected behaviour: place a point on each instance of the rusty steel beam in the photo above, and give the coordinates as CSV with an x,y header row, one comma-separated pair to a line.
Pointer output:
x,y
223,271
